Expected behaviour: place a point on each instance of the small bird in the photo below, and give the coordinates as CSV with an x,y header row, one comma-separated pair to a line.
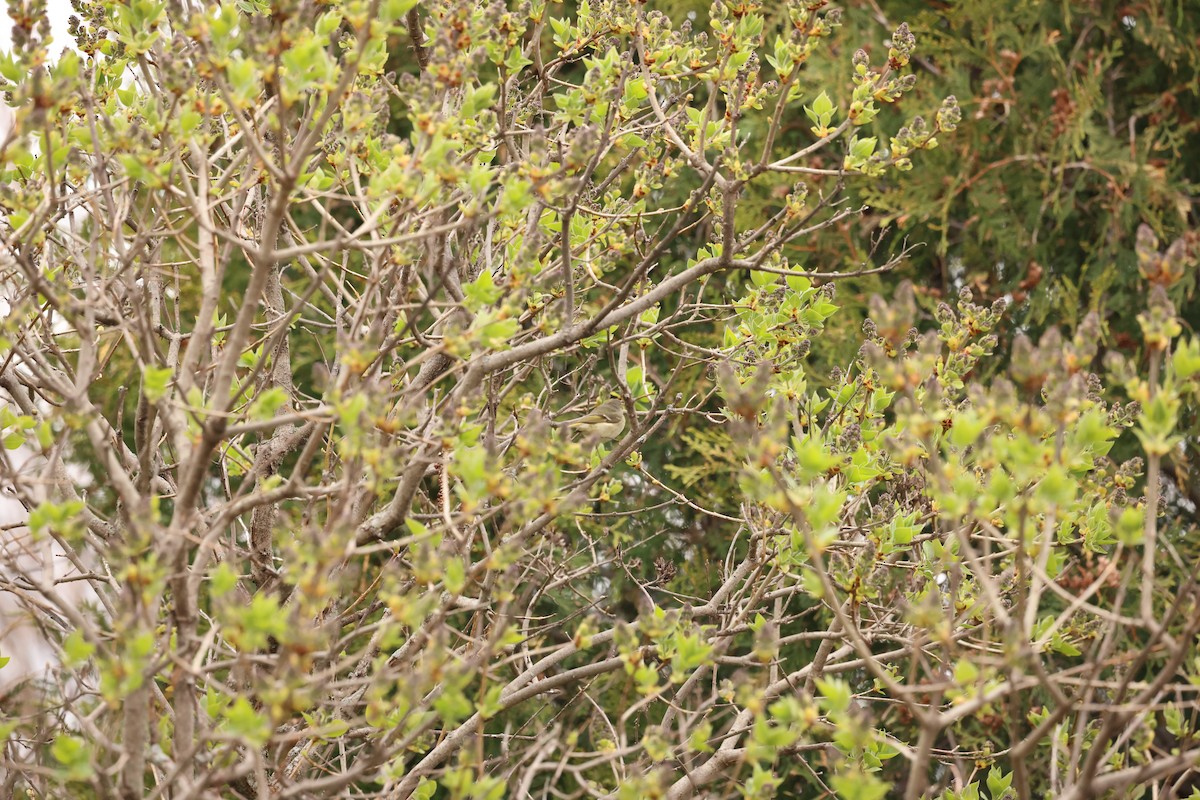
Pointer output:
x,y
603,423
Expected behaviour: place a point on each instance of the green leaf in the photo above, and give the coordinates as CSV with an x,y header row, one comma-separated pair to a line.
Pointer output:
x,y
426,789
471,468
189,120
822,105
1057,487
155,382
494,333
267,403
492,704
967,427
835,694
1093,433
244,76
242,721
68,65
698,740
223,579
478,99
1131,526
516,60
998,783
453,706
333,730
813,457
76,649
482,291
328,22
252,626
62,517
904,529
690,652
456,576
760,278
74,755
10,68
1185,361
392,10
965,673
858,785
863,148
635,90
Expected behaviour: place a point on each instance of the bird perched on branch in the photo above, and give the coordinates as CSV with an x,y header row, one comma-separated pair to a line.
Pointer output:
x,y
602,424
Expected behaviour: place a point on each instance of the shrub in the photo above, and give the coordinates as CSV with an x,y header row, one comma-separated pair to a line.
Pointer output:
x,y
313,291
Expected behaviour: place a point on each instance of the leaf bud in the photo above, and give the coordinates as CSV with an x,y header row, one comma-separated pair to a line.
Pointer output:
x,y
949,115
903,39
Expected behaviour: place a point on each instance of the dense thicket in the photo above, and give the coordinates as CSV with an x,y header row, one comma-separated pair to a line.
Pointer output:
x,y
890,301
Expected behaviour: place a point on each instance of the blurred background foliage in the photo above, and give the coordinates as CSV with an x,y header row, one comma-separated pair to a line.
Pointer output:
x,y
1079,123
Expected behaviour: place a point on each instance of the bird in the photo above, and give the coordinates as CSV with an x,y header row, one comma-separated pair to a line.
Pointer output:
x,y
603,423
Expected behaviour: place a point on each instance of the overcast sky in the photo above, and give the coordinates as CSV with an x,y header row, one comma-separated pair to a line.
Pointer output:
x,y
58,10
